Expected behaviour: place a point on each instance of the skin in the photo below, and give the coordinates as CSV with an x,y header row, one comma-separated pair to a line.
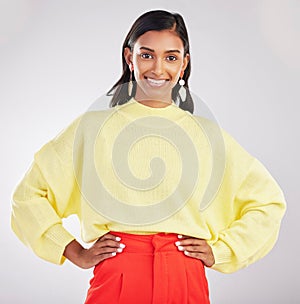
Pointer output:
x,y
157,56
158,62
196,248
105,247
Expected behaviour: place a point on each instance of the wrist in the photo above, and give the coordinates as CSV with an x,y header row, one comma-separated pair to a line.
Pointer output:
x,y
74,252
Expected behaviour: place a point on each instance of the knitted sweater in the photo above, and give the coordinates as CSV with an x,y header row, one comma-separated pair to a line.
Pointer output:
x,y
143,170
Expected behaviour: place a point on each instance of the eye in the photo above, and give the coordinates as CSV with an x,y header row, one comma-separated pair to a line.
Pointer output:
x,y
146,56
171,58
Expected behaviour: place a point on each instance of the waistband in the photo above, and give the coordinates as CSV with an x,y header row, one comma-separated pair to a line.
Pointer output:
x,y
150,243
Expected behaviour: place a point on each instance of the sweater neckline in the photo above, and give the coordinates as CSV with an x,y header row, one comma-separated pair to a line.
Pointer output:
x,y
153,109
137,109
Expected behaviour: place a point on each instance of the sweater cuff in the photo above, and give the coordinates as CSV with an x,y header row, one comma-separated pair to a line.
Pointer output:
x,y
222,253
55,240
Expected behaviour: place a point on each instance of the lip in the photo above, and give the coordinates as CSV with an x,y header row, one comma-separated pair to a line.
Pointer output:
x,y
153,82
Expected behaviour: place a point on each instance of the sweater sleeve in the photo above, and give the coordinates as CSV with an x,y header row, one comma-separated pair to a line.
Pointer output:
x,y
44,197
259,206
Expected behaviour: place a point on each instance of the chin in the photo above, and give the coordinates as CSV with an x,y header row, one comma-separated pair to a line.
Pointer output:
x,y
155,93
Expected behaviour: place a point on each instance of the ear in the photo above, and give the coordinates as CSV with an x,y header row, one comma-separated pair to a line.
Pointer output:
x,y
186,60
128,56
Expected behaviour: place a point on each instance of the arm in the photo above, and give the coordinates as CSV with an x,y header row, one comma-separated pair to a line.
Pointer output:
x,y
47,194
37,215
259,206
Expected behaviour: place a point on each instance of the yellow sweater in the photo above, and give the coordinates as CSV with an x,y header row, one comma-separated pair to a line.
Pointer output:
x,y
137,169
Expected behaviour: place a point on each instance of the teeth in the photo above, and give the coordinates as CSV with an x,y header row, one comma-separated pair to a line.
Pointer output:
x,y
156,82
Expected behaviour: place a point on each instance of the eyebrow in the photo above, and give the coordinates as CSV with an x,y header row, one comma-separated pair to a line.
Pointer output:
x,y
151,50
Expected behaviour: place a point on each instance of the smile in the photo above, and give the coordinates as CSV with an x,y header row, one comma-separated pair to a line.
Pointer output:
x,y
155,82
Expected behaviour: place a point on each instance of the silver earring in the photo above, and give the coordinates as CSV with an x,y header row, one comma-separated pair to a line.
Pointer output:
x,y
130,84
182,90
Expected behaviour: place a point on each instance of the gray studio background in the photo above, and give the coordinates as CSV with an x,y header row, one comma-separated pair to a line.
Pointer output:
x,y
57,57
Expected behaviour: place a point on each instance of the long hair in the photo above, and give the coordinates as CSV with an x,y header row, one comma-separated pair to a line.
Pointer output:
x,y
157,20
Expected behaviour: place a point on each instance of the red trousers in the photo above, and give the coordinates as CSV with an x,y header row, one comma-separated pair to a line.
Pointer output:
x,y
150,270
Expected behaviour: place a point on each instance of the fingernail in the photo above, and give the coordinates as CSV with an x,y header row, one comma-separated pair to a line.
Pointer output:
x,y
180,248
113,253
119,250
186,252
118,239
122,245
177,243
179,236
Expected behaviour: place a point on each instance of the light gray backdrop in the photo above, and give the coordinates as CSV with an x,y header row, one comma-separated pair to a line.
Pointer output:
x,y
57,57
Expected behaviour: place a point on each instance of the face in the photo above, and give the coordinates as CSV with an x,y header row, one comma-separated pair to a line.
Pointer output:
x,y
158,62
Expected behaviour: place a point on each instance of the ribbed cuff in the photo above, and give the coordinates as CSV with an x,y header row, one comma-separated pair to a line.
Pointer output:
x,y
222,253
55,241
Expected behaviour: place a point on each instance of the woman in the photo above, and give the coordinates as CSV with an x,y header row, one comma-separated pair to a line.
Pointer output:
x,y
152,240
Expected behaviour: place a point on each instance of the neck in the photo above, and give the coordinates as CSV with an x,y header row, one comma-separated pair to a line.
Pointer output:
x,y
157,102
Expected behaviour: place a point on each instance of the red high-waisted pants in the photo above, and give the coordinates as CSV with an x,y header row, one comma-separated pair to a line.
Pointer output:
x,y
150,270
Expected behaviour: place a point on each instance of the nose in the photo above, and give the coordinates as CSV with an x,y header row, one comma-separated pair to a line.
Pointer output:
x,y
158,67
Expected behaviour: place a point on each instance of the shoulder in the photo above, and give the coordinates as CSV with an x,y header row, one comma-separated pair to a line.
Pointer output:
x,y
62,144
221,141
213,129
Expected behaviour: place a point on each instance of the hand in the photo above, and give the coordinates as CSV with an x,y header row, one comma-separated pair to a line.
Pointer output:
x,y
105,247
196,248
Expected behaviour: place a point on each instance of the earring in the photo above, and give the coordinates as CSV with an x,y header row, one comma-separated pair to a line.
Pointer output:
x,y
130,84
182,90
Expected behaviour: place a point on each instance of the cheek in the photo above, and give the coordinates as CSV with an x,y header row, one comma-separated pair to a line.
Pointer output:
x,y
140,68
175,71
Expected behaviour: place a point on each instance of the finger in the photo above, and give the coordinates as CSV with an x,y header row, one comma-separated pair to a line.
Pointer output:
x,y
93,256
109,243
109,236
106,250
103,250
195,248
110,240
191,241
182,236
100,258
205,258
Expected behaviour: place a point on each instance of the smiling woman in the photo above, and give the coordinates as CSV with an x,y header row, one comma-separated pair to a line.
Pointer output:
x,y
158,60
156,53
139,177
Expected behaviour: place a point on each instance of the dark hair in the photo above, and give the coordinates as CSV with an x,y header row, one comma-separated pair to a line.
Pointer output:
x,y
157,20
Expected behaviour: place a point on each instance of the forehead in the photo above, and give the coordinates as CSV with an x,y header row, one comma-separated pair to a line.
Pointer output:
x,y
160,41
